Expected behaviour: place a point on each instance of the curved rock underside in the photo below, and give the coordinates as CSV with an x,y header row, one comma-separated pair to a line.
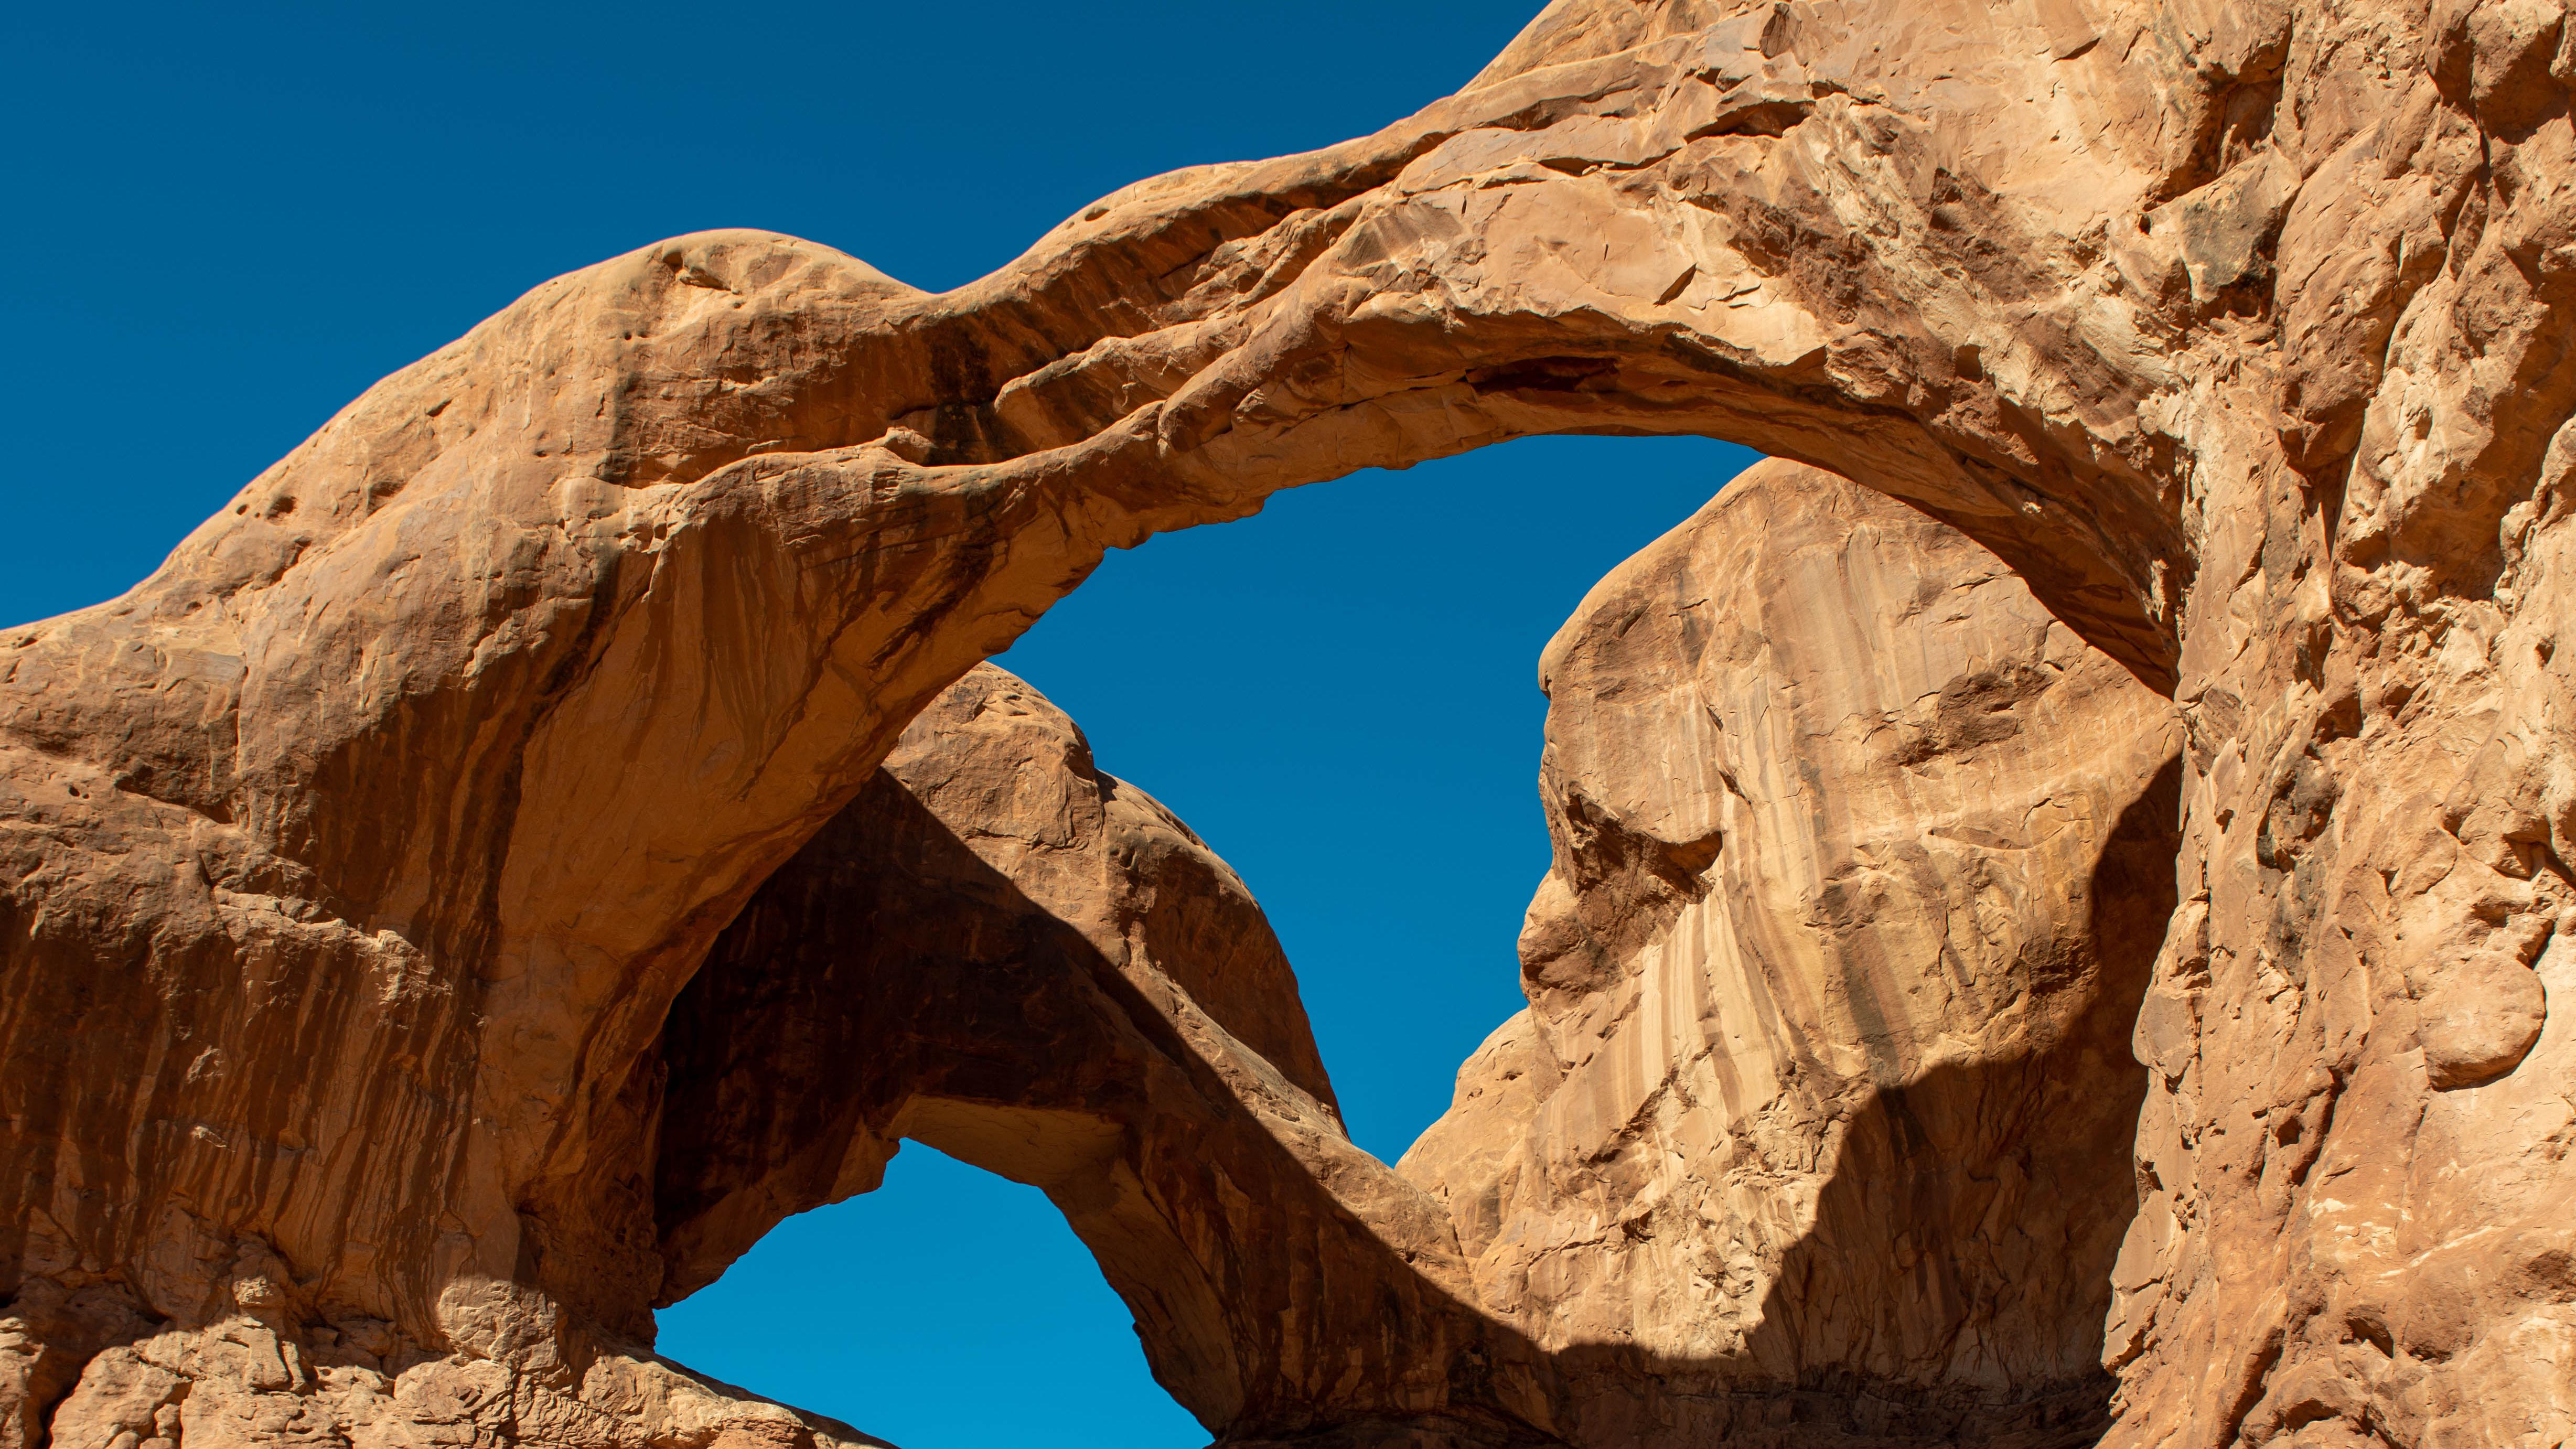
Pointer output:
x,y
422,849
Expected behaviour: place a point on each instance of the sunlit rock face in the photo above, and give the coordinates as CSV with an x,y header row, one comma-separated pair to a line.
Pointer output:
x,y
1824,1097
354,861
1001,951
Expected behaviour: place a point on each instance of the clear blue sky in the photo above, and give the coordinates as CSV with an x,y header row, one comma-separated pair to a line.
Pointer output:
x,y
232,219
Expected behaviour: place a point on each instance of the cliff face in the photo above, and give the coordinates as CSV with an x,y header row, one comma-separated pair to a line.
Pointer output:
x,y
352,864
1825,1094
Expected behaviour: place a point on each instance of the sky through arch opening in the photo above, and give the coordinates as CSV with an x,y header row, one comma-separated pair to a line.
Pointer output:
x,y
1340,695
949,1309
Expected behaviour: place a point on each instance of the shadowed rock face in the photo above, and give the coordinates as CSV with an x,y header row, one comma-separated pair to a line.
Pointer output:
x,y
1032,966
350,865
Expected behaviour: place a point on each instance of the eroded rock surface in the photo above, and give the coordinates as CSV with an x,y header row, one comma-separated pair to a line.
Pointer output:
x,y
995,949
1824,1096
351,864
1001,951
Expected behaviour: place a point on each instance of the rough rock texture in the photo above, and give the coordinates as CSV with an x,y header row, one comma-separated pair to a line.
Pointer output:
x,y
1825,1095
351,864
1002,952
995,949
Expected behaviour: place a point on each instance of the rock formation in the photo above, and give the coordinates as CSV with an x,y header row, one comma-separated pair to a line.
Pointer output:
x,y
355,861
1825,1090
1002,952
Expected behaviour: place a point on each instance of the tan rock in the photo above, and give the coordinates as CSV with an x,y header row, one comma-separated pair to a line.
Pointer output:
x,y
1860,863
1002,952
2481,1020
350,865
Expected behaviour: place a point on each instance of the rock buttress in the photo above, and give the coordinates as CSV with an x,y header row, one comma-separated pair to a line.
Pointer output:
x,y
352,861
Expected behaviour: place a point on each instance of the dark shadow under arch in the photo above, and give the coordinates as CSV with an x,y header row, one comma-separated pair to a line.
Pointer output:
x,y
890,983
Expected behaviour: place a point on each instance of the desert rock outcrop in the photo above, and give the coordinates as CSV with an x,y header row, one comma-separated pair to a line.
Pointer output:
x,y
996,949
1000,951
1824,1096
351,864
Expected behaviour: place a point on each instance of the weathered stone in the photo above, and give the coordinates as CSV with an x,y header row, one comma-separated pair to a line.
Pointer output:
x,y
350,865
2481,1020
1861,858
1004,953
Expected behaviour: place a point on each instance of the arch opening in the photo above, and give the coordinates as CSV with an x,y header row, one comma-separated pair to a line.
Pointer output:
x,y
948,1309
1147,1137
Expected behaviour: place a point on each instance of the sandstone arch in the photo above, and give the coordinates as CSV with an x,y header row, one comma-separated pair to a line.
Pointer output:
x,y
437,761
1002,952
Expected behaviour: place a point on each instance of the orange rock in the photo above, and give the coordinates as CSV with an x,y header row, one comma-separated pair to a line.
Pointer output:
x,y
351,864
1861,858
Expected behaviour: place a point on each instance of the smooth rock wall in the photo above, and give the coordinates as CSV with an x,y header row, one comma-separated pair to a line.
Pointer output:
x,y
1824,1096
